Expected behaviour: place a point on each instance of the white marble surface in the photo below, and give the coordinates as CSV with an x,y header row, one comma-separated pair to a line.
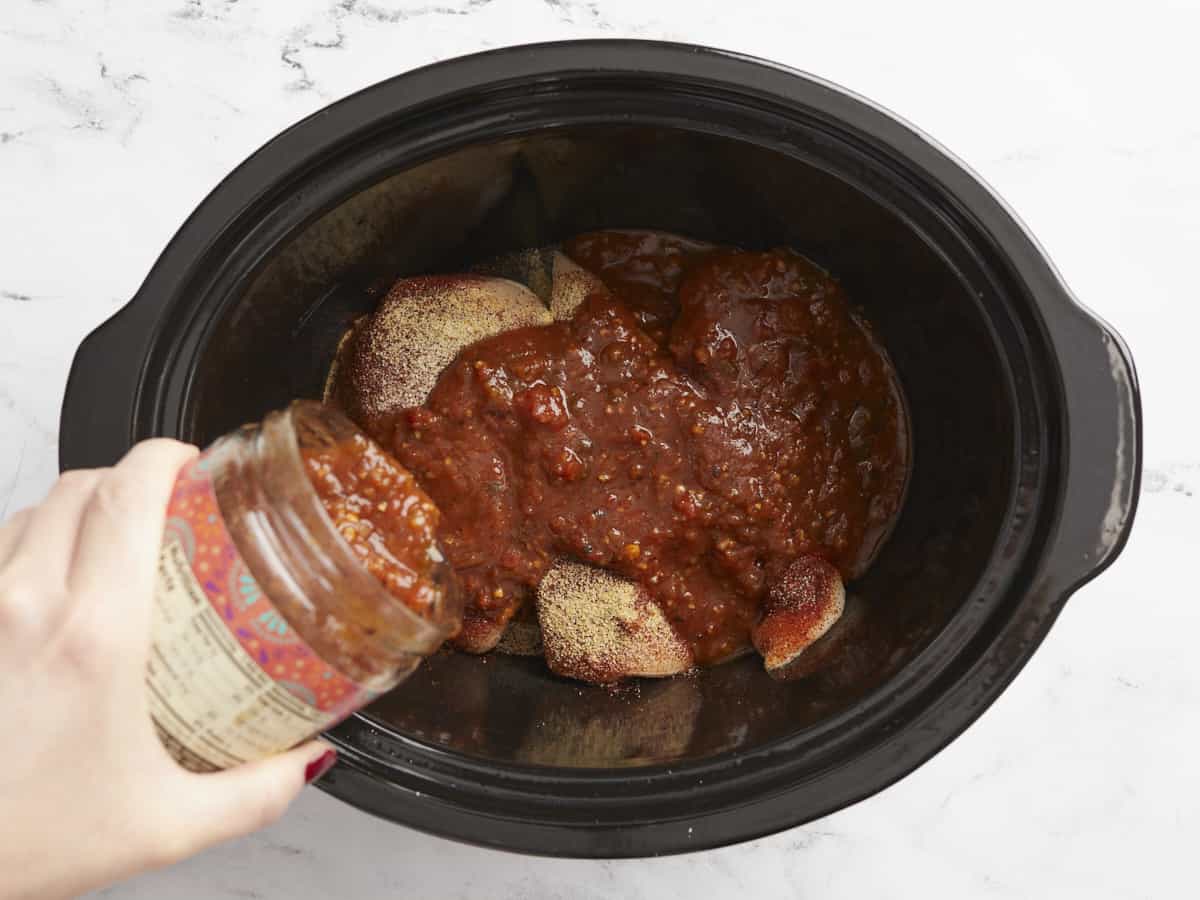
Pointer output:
x,y
116,116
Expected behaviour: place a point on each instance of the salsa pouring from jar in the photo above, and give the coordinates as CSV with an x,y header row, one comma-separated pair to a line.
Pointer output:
x,y
300,577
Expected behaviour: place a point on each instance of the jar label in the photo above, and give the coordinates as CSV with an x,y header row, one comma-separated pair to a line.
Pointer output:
x,y
229,679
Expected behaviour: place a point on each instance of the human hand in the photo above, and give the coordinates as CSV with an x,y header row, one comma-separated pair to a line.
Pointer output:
x,y
88,794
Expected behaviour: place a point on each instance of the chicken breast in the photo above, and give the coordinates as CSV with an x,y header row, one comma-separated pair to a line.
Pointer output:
x,y
800,607
394,357
601,628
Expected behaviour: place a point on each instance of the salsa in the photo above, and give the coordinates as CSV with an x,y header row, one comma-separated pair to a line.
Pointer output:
x,y
382,514
703,421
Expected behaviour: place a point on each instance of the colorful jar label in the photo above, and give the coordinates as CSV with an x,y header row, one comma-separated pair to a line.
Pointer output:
x,y
229,680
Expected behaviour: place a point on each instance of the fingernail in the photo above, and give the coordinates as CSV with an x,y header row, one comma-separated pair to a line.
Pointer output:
x,y
320,766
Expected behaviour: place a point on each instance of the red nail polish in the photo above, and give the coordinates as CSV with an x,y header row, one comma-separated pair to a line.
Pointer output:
x,y
320,766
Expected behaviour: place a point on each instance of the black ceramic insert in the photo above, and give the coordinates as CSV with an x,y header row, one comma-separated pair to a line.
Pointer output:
x,y
1025,416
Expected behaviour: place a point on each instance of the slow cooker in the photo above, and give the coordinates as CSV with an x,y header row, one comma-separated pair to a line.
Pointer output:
x,y
1024,407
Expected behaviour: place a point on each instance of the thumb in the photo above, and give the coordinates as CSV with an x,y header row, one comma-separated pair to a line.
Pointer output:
x,y
251,796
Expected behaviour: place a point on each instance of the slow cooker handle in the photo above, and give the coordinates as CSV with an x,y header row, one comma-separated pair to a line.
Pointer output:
x,y
1103,451
101,395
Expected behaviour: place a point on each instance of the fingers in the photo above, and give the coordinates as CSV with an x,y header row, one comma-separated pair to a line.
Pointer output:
x,y
53,529
36,546
121,527
224,805
11,531
49,529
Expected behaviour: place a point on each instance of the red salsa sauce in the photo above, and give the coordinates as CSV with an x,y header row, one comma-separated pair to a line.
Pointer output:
x,y
382,514
710,418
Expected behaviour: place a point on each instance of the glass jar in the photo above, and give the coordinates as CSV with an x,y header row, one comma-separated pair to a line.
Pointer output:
x,y
299,578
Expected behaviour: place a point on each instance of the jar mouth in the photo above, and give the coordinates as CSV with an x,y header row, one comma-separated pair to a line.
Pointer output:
x,y
407,632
